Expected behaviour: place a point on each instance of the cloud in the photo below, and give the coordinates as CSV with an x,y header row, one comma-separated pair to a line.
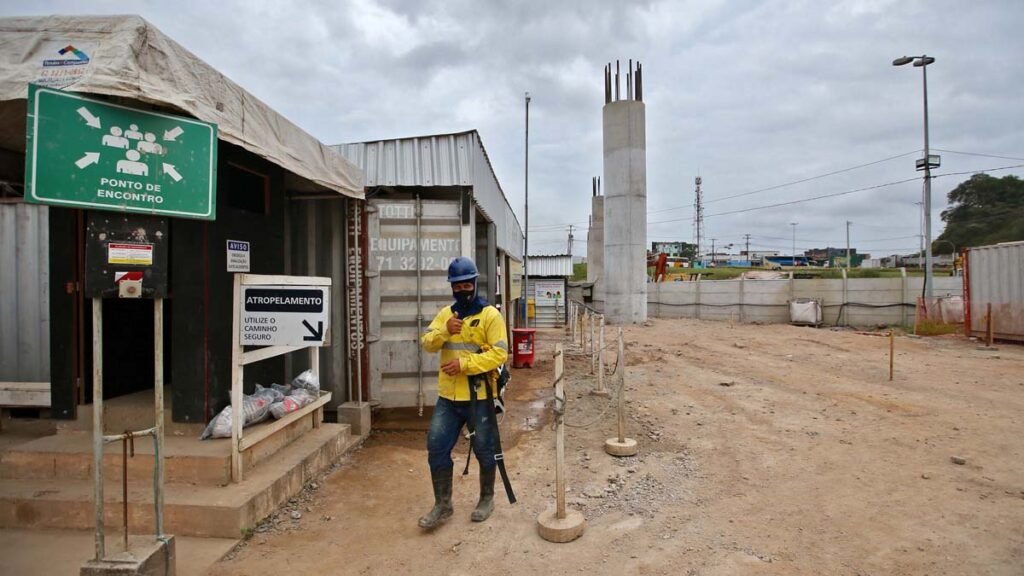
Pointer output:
x,y
747,94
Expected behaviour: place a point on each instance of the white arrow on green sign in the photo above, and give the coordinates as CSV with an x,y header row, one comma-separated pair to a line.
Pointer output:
x,y
86,153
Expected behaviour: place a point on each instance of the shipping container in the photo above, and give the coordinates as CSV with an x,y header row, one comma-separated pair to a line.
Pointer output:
x,y
994,284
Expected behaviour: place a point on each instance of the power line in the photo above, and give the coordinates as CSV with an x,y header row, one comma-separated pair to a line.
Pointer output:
x,y
978,154
812,178
791,202
798,201
836,194
977,171
794,182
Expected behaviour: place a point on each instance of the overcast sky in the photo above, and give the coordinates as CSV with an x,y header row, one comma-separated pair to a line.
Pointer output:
x,y
750,95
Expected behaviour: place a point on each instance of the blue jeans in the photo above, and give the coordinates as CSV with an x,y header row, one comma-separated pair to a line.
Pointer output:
x,y
445,426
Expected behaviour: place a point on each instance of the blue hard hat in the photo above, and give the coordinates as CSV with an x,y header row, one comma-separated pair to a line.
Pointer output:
x,y
461,269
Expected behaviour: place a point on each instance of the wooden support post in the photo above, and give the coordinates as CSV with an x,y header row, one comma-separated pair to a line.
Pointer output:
x,y
237,412
892,351
158,408
560,525
988,325
97,421
572,322
620,445
314,365
559,435
593,349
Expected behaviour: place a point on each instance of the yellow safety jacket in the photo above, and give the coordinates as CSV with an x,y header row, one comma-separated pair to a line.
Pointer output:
x,y
481,347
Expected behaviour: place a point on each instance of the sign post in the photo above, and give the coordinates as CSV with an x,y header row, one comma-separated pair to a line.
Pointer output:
x,y
87,153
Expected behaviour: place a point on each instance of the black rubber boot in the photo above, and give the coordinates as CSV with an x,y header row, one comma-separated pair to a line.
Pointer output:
x,y
442,510
486,504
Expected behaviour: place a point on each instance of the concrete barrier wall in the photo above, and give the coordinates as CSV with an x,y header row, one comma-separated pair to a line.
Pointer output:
x,y
853,302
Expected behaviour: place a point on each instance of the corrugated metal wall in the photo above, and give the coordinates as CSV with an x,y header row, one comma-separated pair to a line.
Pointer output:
x,y
318,248
550,266
439,161
24,293
395,355
995,276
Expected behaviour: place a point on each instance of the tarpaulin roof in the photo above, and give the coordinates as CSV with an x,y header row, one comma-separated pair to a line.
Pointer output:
x,y
126,56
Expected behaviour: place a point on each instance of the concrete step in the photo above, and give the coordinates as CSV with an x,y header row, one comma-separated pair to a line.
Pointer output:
x,y
188,460
131,412
189,510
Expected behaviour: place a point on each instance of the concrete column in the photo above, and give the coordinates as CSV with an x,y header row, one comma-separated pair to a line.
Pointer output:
x,y
625,212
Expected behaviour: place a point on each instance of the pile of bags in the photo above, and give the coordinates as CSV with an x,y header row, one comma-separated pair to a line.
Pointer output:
x,y
275,401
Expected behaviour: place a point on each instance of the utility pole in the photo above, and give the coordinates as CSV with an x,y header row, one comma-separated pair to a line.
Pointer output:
x,y
793,224
570,241
526,230
713,251
921,232
847,246
747,236
698,217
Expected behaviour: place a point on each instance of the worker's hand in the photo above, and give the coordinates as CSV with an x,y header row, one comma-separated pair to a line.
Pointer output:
x,y
454,324
452,367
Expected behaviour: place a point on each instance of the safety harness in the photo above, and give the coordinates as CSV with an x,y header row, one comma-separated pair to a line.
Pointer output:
x,y
499,457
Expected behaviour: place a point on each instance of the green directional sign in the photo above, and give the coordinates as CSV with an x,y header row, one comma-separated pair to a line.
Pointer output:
x,y
85,153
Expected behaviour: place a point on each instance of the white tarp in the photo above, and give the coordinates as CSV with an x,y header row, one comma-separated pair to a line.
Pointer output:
x,y
127,56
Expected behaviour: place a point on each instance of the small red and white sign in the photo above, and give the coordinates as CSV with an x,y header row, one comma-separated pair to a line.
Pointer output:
x,y
135,276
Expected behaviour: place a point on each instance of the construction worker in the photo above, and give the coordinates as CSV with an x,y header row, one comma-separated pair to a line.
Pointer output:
x,y
471,337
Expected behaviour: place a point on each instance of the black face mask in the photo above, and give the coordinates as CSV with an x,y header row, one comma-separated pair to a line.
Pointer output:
x,y
464,297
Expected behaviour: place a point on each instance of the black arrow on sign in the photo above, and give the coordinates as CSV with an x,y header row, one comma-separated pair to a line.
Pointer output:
x,y
317,334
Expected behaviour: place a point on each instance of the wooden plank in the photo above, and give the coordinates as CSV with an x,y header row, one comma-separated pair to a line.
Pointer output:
x,y
27,394
260,279
267,430
265,353
28,386
237,414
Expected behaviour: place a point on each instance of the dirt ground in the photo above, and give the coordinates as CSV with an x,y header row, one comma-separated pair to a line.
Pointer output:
x,y
763,450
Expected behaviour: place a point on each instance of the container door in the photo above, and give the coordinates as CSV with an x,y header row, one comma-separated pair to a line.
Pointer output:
x,y
406,265
25,293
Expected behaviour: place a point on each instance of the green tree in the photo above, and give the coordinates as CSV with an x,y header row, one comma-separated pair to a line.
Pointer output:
x,y
982,210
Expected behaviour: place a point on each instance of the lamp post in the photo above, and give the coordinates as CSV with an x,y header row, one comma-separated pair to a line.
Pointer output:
x,y
526,227
847,246
793,224
926,164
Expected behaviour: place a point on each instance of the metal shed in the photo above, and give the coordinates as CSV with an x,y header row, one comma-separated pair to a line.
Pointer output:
x,y
548,278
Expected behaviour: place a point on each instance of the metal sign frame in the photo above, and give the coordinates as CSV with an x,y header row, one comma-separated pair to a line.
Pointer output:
x,y
240,358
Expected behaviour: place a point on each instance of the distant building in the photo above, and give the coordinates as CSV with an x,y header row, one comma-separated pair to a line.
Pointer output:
x,y
674,249
835,256
756,257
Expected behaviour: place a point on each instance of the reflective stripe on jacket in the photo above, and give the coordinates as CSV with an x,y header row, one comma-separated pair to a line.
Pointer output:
x,y
480,348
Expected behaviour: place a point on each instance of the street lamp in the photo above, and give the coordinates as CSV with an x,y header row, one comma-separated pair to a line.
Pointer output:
x,y
926,164
526,228
793,224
